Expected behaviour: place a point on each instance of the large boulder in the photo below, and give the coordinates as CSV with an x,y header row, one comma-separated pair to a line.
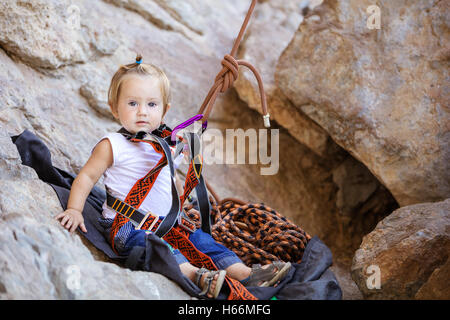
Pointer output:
x,y
56,61
379,93
409,251
51,34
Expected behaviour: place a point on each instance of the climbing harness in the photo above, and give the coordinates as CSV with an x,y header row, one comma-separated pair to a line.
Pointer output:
x,y
128,209
176,234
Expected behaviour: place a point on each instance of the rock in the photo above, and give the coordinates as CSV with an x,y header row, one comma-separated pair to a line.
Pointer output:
x,y
53,82
367,200
437,286
96,94
192,20
410,249
157,15
379,93
51,34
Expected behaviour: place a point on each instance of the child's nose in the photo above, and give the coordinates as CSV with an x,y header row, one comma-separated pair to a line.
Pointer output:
x,y
142,109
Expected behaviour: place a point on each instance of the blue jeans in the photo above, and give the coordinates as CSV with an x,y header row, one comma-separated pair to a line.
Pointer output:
x,y
204,242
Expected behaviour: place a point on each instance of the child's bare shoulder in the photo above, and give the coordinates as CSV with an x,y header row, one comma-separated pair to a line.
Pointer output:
x,y
103,152
103,145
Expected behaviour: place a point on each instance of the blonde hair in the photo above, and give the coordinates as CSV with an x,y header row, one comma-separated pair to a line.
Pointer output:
x,y
145,69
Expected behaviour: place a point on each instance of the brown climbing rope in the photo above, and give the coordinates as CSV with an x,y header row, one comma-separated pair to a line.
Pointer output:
x,y
255,232
229,73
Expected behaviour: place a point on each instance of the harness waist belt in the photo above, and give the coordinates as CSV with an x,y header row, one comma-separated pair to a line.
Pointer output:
x,y
136,217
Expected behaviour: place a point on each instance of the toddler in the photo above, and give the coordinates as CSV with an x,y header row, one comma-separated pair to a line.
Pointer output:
x,y
139,99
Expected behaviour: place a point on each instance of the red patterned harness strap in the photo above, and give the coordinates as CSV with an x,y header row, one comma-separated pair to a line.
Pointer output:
x,y
138,192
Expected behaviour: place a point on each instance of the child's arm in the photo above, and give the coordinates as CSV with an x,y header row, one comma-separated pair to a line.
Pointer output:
x,y
101,158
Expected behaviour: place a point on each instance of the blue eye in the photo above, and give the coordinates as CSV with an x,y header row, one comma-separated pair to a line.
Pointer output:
x,y
132,103
152,104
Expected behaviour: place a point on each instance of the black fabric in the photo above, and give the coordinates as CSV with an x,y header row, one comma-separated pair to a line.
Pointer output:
x,y
157,132
171,217
311,279
200,188
35,154
157,257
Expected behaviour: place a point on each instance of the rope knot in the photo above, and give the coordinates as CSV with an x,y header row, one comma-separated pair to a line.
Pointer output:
x,y
229,72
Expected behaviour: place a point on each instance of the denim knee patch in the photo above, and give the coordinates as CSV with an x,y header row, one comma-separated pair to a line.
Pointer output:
x,y
220,255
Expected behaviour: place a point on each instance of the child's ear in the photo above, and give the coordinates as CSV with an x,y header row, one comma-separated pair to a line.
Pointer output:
x,y
167,109
114,112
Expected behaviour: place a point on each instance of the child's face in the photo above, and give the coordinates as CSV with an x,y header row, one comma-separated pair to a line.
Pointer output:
x,y
140,103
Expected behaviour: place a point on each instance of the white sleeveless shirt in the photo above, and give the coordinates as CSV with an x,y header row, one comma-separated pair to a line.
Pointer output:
x,y
131,162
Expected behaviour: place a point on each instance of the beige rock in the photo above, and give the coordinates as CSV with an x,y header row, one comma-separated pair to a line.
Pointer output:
x,y
380,93
410,249
96,94
58,91
51,34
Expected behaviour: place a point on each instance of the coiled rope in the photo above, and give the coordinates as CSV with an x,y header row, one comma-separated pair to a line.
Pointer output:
x,y
255,232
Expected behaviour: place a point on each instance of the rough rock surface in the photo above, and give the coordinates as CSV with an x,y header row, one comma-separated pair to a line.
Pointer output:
x,y
381,94
338,81
56,61
51,34
411,249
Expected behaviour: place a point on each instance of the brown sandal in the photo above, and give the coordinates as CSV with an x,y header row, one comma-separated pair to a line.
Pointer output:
x,y
266,277
206,284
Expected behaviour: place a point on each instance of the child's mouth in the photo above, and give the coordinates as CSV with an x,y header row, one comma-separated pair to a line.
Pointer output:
x,y
141,123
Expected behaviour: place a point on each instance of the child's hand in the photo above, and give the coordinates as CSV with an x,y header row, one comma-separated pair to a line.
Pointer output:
x,y
71,219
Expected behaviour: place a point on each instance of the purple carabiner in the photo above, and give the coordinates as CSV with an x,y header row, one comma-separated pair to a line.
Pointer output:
x,y
184,125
